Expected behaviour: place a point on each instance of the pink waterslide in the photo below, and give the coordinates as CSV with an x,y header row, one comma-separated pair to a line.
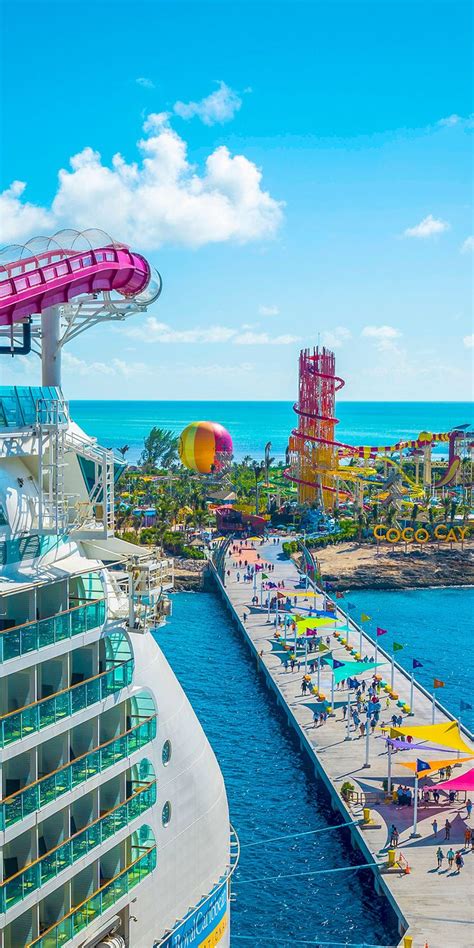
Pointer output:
x,y
54,270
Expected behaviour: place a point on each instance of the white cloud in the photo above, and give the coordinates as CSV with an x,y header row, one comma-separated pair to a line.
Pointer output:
x,y
20,219
218,107
469,341
160,199
335,338
152,330
268,310
468,245
428,227
145,83
450,120
116,367
383,337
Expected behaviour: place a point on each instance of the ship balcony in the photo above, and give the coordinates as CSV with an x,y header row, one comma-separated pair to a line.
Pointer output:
x,y
20,640
37,779
92,892
67,685
73,833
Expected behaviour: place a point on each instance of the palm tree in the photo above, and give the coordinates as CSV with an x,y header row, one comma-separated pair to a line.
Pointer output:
x,y
159,448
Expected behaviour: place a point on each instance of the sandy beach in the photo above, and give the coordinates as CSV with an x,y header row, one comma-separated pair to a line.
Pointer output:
x,y
349,565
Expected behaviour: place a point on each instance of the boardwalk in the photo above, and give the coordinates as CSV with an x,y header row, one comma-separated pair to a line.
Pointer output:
x,y
435,907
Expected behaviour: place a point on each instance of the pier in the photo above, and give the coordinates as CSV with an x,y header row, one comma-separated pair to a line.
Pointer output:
x,y
432,907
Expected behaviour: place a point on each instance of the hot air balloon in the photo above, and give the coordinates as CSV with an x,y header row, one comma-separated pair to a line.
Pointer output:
x,y
205,447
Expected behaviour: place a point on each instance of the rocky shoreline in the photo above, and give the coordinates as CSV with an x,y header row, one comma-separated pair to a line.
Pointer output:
x,y
354,566
190,575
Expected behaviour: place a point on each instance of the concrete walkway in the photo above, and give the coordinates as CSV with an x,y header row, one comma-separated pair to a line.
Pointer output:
x,y
435,907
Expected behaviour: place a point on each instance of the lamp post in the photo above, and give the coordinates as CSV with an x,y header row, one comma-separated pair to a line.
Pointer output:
x,y
367,742
348,716
414,834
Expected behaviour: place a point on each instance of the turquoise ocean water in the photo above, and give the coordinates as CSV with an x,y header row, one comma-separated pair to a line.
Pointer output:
x,y
252,424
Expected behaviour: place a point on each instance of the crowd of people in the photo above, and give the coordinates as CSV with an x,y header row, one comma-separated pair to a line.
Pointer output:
x,y
364,699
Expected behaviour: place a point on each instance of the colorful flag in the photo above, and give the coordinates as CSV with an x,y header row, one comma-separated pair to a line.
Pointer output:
x,y
337,664
465,706
381,631
416,664
350,606
339,595
264,576
397,646
364,617
422,765
437,683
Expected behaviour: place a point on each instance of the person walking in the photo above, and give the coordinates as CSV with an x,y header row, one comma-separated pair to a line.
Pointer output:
x,y
450,856
469,808
435,827
459,861
344,712
394,835
439,856
447,829
467,838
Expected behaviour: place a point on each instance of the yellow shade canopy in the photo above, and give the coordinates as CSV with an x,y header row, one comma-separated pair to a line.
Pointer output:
x,y
447,734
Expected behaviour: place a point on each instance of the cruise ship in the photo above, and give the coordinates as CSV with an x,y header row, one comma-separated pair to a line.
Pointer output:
x,y
114,823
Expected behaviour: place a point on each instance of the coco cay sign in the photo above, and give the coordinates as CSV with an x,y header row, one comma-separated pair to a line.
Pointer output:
x,y
442,533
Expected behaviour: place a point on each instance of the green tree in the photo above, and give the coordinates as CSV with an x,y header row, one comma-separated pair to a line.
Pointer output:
x,y
160,449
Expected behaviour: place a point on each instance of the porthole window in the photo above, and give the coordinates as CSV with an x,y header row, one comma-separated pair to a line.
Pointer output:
x,y
166,813
166,753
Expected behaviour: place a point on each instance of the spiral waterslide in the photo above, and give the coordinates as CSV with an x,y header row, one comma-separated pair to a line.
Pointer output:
x,y
314,461
39,277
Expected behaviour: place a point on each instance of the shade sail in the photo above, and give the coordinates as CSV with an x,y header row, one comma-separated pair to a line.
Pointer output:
x,y
304,624
463,782
398,744
351,669
434,765
447,734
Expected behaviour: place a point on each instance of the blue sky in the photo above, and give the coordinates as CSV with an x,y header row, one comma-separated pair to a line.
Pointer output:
x,y
296,171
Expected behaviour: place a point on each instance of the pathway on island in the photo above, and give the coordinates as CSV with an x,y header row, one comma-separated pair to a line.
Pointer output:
x,y
437,906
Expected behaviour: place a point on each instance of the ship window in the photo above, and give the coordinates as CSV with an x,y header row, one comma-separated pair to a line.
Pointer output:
x,y
166,753
166,813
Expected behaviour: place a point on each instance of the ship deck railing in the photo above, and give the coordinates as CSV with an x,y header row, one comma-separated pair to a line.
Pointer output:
x,y
31,636
16,725
47,789
48,866
82,915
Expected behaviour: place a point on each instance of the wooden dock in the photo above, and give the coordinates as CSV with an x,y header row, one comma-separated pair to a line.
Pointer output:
x,y
433,907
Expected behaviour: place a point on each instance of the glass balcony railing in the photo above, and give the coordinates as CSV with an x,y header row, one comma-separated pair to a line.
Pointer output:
x,y
97,903
42,870
31,636
34,717
47,789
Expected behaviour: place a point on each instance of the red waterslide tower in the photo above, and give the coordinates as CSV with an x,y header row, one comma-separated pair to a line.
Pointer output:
x,y
312,446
